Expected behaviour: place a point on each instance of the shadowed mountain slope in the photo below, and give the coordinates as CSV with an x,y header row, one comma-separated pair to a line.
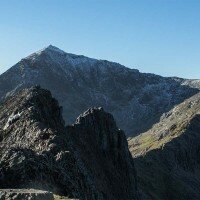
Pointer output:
x,y
137,100
167,156
87,160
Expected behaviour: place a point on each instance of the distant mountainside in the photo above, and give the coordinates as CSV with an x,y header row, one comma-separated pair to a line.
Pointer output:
x,y
87,160
137,100
167,156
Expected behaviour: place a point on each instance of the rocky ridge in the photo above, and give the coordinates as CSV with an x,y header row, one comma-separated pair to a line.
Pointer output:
x,y
136,100
87,160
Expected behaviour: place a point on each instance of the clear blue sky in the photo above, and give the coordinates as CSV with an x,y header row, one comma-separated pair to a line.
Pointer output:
x,y
157,36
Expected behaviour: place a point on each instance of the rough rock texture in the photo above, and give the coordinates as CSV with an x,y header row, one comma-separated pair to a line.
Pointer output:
x,y
19,194
167,156
87,160
137,100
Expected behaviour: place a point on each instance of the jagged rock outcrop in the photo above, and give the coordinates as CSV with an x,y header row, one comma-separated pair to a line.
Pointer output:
x,y
19,194
136,100
87,160
167,156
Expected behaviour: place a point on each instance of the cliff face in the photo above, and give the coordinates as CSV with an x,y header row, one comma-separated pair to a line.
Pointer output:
x,y
167,156
136,100
98,144
87,160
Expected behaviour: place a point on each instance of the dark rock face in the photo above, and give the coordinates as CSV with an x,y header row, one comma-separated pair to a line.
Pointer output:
x,y
167,156
136,100
87,160
109,145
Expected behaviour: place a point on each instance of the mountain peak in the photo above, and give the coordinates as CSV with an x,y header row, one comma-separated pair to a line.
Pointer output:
x,y
53,48
49,50
61,57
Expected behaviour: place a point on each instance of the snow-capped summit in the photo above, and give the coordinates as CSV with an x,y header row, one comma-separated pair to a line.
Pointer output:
x,y
137,100
47,49
53,48
61,57
67,61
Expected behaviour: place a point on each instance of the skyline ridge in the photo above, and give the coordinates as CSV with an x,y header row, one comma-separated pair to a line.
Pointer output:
x,y
52,47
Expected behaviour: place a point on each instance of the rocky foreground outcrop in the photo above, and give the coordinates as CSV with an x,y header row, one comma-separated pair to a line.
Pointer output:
x,y
167,156
87,160
23,194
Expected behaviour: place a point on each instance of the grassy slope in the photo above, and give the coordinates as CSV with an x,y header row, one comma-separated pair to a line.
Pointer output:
x,y
172,125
